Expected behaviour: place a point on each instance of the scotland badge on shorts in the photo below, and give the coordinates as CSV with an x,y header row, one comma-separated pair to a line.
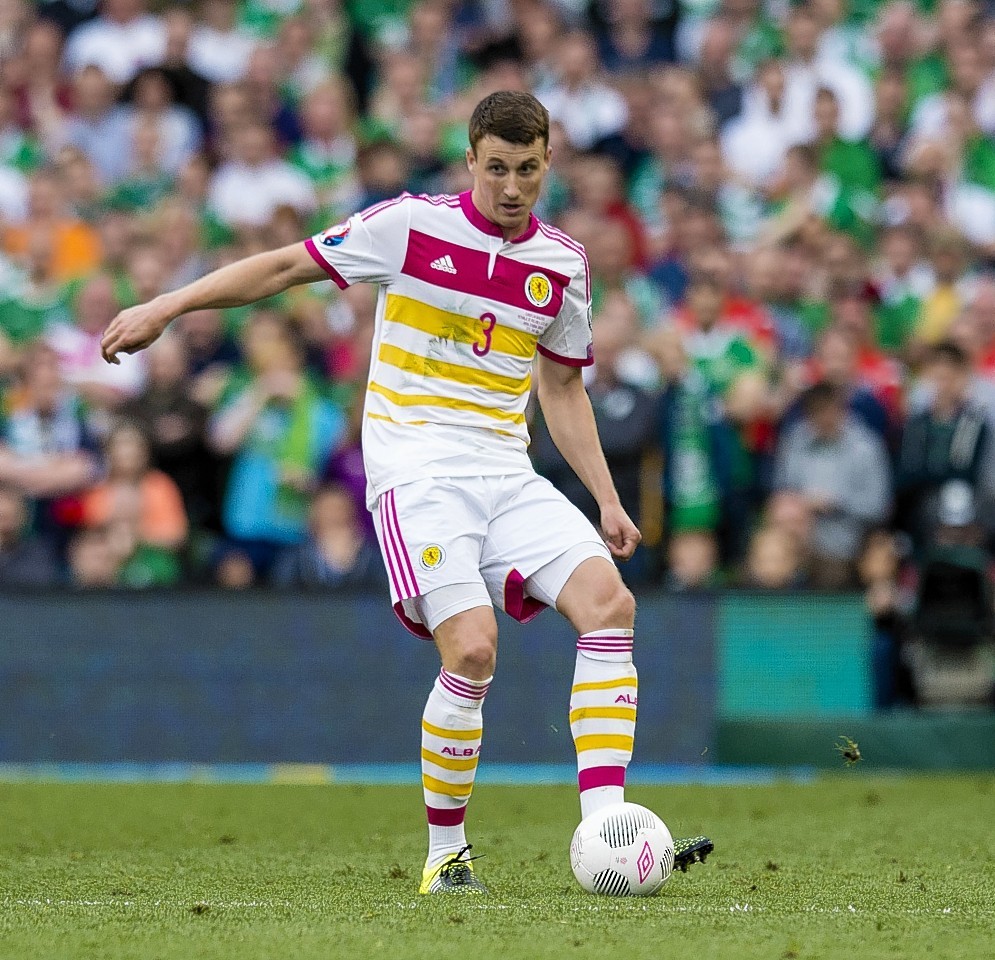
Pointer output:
x,y
333,236
432,557
538,289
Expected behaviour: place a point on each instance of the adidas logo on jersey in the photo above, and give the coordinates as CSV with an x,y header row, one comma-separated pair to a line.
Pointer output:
x,y
445,264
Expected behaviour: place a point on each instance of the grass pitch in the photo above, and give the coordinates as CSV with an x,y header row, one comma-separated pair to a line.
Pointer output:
x,y
848,867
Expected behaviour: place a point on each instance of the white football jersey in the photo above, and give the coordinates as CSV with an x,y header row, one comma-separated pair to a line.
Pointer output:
x,y
460,315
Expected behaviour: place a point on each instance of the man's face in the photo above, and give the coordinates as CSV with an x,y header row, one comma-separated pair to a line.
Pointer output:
x,y
705,301
827,115
950,382
826,420
507,178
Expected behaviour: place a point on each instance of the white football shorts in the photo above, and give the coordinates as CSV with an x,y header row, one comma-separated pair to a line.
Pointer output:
x,y
453,543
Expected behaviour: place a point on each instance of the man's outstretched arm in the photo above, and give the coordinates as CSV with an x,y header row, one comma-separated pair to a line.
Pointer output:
x,y
570,420
242,282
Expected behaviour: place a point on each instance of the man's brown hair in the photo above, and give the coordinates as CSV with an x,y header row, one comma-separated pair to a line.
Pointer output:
x,y
511,116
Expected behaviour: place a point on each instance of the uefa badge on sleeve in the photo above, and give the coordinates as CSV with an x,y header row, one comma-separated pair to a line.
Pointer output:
x,y
333,236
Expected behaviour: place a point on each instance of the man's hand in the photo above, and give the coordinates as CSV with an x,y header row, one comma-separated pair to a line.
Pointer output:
x,y
619,532
134,329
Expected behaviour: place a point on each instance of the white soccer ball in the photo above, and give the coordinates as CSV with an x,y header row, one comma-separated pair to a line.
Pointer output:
x,y
623,850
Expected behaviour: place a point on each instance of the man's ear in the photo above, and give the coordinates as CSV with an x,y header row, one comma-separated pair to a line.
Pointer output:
x,y
471,159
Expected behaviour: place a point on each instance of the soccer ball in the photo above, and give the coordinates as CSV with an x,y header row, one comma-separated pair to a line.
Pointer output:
x,y
623,850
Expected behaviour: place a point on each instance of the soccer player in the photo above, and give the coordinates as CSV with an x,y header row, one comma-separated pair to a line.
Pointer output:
x,y
471,288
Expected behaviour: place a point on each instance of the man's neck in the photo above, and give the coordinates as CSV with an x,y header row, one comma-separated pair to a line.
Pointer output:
x,y
509,234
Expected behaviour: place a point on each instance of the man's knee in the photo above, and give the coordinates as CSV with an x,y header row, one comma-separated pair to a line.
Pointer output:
x,y
476,657
617,608
597,599
467,643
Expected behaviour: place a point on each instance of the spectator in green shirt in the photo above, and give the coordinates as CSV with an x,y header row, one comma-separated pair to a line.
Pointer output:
x,y
327,150
904,280
32,304
17,149
852,162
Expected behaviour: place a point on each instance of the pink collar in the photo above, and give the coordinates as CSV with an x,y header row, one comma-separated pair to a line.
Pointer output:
x,y
486,226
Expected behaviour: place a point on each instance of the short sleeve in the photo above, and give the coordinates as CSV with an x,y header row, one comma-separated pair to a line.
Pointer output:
x,y
568,339
369,247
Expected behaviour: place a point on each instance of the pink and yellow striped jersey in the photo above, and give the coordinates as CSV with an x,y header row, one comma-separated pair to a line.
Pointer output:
x,y
461,313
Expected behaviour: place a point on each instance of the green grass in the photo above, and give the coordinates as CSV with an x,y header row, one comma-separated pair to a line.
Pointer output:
x,y
849,867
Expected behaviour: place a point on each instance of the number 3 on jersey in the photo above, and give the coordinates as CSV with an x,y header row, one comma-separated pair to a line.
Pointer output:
x,y
489,322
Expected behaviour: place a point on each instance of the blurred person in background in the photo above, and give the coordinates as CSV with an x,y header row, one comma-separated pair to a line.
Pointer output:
x,y
688,224
839,469
599,192
754,143
269,96
767,284
588,108
888,133
26,560
834,361
850,306
220,46
851,161
664,161
714,339
625,415
382,171
398,96
722,90
945,299
702,488
903,279
75,246
774,561
32,302
85,194
949,440
212,354
336,554
121,40
879,568
280,431
93,561
138,502
178,244
806,71
631,38
247,189
145,182
739,208
41,90
299,66
980,319
174,423
611,255
327,150
802,193
98,124
77,345
18,149
190,85
46,450
153,102
693,561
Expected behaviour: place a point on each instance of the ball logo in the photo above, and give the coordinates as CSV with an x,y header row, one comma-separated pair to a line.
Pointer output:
x,y
432,557
645,862
333,236
538,289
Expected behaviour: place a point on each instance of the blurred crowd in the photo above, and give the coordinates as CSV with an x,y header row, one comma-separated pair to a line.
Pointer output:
x,y
789,210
